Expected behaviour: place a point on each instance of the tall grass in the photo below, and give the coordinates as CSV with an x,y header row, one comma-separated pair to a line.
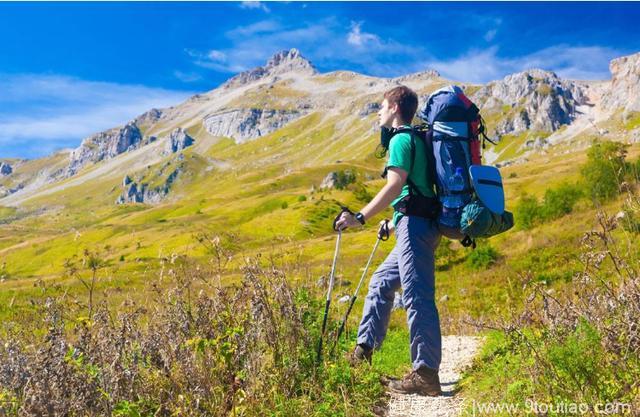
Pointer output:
x,y
193,348
579,346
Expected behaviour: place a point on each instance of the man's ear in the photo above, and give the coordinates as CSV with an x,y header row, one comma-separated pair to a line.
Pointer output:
x,y
394,108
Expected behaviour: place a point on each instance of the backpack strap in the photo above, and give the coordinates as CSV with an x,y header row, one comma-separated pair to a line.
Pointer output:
x,y
411,132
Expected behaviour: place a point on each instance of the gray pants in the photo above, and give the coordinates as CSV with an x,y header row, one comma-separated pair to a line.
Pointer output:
x,y
409,265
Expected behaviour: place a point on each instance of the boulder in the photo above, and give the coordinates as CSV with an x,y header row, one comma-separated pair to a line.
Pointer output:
x,y
177,141
5,169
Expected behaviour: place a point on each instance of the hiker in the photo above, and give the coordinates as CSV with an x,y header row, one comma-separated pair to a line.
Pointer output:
x,y
410,265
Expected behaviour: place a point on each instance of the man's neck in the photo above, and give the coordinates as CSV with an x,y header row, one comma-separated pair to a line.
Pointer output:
x,y
398,123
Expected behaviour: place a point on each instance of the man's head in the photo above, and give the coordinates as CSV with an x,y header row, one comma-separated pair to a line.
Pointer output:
x,y
398,107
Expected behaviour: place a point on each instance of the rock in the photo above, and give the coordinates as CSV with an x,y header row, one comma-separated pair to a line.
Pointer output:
x,y
444,298
330,181
5,169
281,63
148,118
624,92
536,144
104,145
344,299
339,179
418,76
136,192
246,124
177,141
535,100
368,109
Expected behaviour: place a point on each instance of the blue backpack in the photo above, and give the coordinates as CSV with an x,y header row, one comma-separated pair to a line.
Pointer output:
x,y
470,201
452,134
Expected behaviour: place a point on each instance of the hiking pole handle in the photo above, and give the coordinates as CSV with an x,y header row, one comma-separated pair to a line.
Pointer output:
x,y
383,232
343,209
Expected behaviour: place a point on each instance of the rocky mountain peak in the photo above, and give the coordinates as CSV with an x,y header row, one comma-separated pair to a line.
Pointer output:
x,y
625,84
291,60
530,100
422,75
104,145
282,62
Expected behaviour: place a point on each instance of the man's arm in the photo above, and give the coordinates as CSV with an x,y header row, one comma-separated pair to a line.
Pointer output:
x,y
396,178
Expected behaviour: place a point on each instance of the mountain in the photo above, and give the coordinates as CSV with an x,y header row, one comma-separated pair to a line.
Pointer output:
x,y
317,117
624,93
531,100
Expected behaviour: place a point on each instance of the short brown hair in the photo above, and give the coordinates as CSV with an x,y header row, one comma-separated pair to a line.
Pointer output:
x,y
406,99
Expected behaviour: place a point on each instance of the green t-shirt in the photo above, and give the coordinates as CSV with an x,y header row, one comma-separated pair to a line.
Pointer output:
x,y
400,157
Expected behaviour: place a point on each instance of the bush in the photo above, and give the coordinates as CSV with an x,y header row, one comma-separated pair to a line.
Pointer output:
x,y
284,205
560,201
527,211
605,169
362,194
482,258
579,345
197,349
302,198
557,202
344,178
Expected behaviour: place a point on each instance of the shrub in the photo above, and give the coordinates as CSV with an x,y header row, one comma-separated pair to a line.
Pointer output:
x,y
344,178
605,169
445,256
302,198
197,349
482,257
284,205
560,201
527,211
578,345
557,202
362,194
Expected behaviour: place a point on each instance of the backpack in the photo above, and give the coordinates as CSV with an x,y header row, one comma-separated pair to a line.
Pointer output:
x,y
452,130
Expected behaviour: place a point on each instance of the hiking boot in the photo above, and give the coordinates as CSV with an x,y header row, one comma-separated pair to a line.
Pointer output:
x,y
360,354
424,381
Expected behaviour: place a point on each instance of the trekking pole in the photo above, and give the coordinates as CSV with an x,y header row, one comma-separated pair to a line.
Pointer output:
x,y
383,235
331,281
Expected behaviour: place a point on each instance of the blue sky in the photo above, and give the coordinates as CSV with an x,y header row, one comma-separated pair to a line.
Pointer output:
x,y
68,70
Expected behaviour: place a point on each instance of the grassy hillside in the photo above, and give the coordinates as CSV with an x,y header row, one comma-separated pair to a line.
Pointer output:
x,y
262,200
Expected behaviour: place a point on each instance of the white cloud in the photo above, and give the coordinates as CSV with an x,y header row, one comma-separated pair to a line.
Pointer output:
x,y
480,66
187,77
330,43
45,112
327,42
358,38
215,55
255,5
490,35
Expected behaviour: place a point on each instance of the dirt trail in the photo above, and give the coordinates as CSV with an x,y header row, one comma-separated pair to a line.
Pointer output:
x,y
457,353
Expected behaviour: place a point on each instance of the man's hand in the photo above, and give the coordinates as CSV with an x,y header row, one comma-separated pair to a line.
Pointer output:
x,y
388,225
346,220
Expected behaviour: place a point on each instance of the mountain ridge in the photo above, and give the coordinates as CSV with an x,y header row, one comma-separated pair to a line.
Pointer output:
x,y
523,109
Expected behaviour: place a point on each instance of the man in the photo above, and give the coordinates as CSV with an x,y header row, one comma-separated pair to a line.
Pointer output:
x,y
410,265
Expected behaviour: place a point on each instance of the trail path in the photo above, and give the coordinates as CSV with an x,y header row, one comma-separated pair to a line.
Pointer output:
x,y
457,353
